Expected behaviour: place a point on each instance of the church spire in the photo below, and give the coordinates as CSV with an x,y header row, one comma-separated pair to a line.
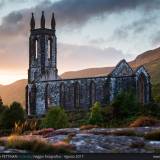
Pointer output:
x,y
53,22
42,20
32,22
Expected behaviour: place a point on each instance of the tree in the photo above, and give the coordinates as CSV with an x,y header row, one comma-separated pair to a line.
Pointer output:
x,y
12,115
96,114
55,118
125,105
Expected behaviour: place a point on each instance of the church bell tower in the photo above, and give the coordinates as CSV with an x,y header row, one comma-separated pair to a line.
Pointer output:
x,y
42,51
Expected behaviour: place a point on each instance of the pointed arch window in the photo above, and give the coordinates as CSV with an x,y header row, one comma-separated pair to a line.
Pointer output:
x,y
36,48
62,94
92,90
47,103
49,48
26,96
77,95
141,88
106,94
32,96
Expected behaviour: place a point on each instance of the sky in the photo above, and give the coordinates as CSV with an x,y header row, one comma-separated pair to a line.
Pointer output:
x,y
90,33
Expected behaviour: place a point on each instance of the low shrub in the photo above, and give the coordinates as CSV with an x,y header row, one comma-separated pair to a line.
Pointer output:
x,y
14,142
144,121
55,118
77,118
107,113
35,145
87,127
153,135
26,126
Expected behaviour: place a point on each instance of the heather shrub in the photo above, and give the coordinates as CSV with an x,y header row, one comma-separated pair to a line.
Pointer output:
x,y
55,118
88,126
35,145
144,121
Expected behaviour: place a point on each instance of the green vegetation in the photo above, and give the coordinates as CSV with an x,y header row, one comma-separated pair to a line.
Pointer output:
x,y
55,118
77,118
153,69
122,111
125,105
151,109
11,115
156,92
125,111
96,115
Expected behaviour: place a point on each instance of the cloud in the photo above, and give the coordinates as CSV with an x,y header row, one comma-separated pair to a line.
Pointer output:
x,y
136,27
76,13
97,41
14,31
155,39
141,24
75,57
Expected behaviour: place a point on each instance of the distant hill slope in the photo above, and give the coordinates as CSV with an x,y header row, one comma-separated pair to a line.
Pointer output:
x,y
150,59
90,72
13,92
146,57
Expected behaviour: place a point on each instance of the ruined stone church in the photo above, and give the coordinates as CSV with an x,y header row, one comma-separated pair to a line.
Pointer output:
x,y
46,89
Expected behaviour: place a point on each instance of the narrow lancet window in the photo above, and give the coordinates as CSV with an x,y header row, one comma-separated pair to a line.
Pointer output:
x,y
49,49
36,49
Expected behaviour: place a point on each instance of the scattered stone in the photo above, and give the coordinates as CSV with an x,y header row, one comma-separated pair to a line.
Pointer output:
x,y
99,140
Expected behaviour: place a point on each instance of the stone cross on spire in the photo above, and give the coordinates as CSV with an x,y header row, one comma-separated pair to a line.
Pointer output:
x,y
53,22
43,20
32,22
